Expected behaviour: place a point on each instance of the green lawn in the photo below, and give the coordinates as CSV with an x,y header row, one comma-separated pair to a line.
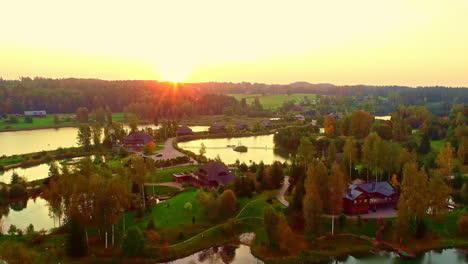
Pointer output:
x,y
160,190
208,120
47,121
437,144
273,101
9,161
159,176
171,213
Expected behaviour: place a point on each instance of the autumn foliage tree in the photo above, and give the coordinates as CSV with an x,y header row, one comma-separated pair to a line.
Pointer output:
x,y
312,203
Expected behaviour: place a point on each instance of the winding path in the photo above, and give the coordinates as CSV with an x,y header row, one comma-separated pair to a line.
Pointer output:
x,y
282,191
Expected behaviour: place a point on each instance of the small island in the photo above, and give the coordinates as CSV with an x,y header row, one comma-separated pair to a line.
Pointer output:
x,y
240,148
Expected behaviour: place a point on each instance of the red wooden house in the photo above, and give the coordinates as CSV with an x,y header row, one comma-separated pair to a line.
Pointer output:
x,y
360,198
136,140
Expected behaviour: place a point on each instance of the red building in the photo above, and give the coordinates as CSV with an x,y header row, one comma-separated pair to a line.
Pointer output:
x,y
212,174
136,140
360,198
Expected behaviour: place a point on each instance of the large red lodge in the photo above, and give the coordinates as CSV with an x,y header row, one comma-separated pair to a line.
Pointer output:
x,y
360,198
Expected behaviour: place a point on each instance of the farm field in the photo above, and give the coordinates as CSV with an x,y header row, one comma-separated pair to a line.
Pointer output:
x,y
46,122
273,101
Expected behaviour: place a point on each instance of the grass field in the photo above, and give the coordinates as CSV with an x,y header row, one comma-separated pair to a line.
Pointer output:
x,y
208,120
160,190
273,101
437,144
46,122
159,176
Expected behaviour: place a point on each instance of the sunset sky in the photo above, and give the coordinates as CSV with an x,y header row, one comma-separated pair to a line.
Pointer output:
x,y
404,42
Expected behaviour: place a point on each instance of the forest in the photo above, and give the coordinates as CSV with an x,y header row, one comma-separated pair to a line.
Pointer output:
x,y
177,100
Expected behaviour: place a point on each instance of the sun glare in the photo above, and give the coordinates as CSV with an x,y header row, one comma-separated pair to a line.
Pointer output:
x,y
175,72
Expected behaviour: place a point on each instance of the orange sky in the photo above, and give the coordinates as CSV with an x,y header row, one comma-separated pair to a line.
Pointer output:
x,y
405,42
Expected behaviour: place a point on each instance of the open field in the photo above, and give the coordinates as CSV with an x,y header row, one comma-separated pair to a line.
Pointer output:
x,y
46,122
165,175
437,144
273,101
208,120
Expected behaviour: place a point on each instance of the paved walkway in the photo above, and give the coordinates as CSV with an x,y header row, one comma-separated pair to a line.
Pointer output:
x,y
282,191
168,152
168,184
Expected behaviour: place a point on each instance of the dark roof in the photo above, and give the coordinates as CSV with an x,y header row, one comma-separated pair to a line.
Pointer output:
x,y
241,126
297,108
217,127
383,188
216,171
139,136
266,122
184,130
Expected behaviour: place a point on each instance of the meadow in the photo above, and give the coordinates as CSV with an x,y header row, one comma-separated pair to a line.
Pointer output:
x,y
46,122
273,101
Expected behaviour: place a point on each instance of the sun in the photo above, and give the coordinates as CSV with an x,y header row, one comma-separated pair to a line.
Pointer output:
x,y
175,72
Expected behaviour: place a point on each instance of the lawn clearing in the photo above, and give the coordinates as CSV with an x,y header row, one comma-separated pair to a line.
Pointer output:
x,y
160,190
273,101
437,144
47,122
165,175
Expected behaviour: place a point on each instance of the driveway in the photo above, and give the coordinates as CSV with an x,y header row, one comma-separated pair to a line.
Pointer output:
x,y
282,191
169,152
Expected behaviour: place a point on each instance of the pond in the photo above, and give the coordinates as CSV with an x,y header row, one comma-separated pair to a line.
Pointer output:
x,y
447,256
225,254
260,148
242,254
383,117
34,211
28,141
30,173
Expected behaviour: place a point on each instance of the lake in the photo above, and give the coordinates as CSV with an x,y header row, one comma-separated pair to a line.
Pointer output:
x,y
28,141
260,148
30,173
34,211
242,254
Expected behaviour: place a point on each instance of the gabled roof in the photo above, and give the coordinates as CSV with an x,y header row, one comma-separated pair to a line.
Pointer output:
x,y
352,194
383,188
266,122
213,171
139,136
241,126
184,129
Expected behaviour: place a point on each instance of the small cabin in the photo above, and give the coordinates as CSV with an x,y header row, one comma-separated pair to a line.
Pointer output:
x,y
241,126
135,141
184,131
217,128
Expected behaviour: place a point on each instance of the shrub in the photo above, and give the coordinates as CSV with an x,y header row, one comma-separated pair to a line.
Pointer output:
x,y
17,191
150,225
28,119
462,224
134,242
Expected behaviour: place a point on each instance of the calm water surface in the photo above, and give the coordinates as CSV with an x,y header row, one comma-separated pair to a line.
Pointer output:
x,y
260,148
242,254
34,211
28,141
30,173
